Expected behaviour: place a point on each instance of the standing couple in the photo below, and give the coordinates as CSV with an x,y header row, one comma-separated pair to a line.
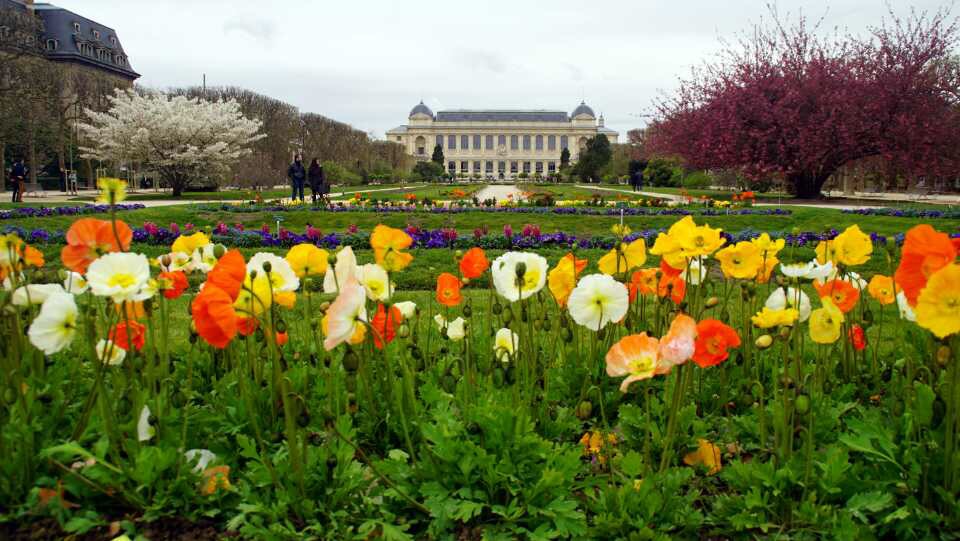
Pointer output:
x,y
315,176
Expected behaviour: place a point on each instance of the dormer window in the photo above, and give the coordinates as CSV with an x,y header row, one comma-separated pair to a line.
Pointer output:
x,y
52,45
113,40
96,35
76,28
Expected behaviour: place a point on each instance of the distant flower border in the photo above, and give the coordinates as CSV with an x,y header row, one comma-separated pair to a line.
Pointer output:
x,y
529,237
43,212
953,214
454,209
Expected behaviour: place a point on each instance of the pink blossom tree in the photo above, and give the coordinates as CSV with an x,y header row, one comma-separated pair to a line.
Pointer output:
x,y
793,102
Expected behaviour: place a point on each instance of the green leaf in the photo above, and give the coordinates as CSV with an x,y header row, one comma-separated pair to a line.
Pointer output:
x,y
869,502
631,464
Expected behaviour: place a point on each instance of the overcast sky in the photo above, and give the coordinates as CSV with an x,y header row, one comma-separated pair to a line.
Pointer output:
x,y
368,62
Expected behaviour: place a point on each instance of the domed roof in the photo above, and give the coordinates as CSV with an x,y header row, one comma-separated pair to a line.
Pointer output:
x,y
583,109
422,109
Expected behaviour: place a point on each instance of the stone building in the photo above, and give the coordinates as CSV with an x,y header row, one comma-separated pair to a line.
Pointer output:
x,y
496,143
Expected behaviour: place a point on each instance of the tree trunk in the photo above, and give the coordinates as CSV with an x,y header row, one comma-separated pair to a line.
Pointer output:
x,y
3,165
176,184
807,185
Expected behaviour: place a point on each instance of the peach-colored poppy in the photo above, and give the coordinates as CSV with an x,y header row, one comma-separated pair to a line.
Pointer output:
x,y
636,356
89,238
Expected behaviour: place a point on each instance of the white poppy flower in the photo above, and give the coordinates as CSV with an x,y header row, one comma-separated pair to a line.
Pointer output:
x,y
695,272
505,344
597,300
75,283
375,280
440,321
342,272
792,298
407,308
456,329
906,311
145,432
203,258
110,353
512,287
282,277
56,325
203,457
34,293
119,275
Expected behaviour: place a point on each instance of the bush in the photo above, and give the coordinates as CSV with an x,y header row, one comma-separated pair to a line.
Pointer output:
x,y
698,180
427,171
662,172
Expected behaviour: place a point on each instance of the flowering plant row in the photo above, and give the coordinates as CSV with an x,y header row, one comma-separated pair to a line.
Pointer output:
x,y
720,391
529,237
949,213
611,210
41,212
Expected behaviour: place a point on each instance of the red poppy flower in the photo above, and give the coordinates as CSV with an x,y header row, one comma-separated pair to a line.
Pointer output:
x,y
672,285
172,283
385,327
857,337
134,332
925,251
247,325
282,338
228,273
448,290
841,292
713,339
474,263
89,238
214,316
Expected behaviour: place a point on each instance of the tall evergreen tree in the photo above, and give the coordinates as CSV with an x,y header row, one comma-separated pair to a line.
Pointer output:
x,y
595,156
565,158
437,155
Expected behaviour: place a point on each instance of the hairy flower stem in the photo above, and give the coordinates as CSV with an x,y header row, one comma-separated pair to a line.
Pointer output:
x,y
678,386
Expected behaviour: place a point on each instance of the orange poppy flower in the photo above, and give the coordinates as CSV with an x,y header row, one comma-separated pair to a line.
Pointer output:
x,y
385,327
89,238
925,251
215,478
32,257
282,338
387,244
448,290
713,339
247,325
474,263
643,282
214,316
672,285
841,292
123,335
881,288
578,264
668,270
172,283
131,310
228,273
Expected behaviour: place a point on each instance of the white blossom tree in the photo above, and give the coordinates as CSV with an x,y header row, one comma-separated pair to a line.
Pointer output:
x,y
179,137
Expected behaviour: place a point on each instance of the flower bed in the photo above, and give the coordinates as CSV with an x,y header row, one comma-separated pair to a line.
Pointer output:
x,y
950,213
42,212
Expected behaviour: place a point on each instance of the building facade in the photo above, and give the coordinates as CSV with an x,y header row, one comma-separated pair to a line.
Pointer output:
x,y
69,38
499,144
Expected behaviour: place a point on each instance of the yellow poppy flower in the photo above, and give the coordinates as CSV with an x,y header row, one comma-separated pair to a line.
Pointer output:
x,y
387,244
562,279
768,317
825,323
629,257
742,260
700,240
307,260
852,247
112,190
881,288
707,455
938,306
768,248
188,243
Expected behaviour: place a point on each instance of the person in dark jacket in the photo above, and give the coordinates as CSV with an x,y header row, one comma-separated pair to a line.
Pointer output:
x,y
18,178
297,175
318,181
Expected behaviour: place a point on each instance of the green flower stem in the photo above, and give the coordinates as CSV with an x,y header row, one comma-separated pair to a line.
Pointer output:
x,y
678,386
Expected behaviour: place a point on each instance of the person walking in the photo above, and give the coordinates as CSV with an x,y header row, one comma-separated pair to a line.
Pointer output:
x,y
318,181
18,177
297,175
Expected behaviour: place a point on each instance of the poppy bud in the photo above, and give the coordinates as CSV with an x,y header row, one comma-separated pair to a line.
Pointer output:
x,y
711,302
281,326
267,266
350,361
332,258
785,332
219,250
521,269
943,355
324,306
566,334
584,410
763,342
166,260
351,384
496,309
458,254
507,317
465,280
253,274
498,377
403,331
802,404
